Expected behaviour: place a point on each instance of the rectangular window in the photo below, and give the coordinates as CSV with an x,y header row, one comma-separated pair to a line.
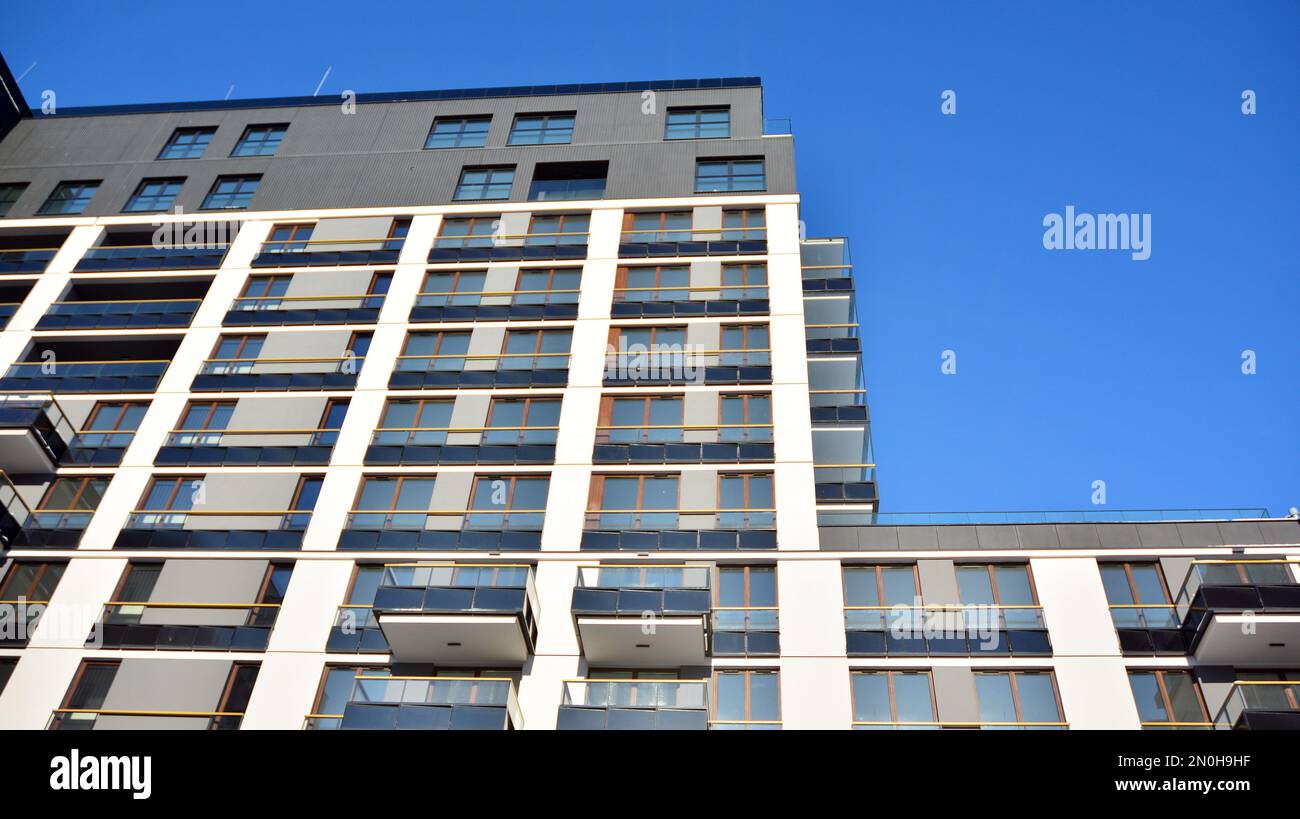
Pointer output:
x,y
635,419
187,143
653,283
744,281
1138,596
743,224
154,195
111,424
522,421
69,503
634,501
745,345
32,582
729,175
508,503
1015,699
260,140
458,132
203,423
86,695
165,502
536,350
657,226
69,198
231,192
418,422
468,231
568,180
746,700
485,183
434,351
548,285
9,194
289,238
234,354
745,611
893,699
401,502
744,493
1168,699
698,123
745,417
542,129
548,230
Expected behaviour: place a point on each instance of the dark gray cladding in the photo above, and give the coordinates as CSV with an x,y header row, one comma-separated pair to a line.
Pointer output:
x,y
375,157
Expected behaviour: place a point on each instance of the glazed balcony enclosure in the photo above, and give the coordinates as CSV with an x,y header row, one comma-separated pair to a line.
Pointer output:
x,y
29,250
643,616
35,433
381,702
643,704
104,364
700,288
1241,612
126,305
177,246
459,614
499,293
334,242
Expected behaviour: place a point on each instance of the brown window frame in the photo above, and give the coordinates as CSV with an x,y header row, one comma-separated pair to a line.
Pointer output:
x,y
880,578
8,579
1132,584
1165,699
748,569
745,229
470,222
893,699
597,490
747,476
748,674
81,481
121,407
993,582
1014,674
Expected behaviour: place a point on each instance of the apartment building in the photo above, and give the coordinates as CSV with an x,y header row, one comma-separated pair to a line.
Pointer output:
x,y
524,408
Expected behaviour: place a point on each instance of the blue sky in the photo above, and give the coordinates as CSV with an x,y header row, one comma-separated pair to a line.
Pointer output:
x,y
1072,366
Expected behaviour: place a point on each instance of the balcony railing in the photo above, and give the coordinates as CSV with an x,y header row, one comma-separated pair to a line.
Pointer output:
x,y
26,259
356,631
967,726
332,252
298,373
670,364
421,519
496,305
214,529
686,301
471,445
601,704
755,518
506,247
259,447
1261,705
745,631
361,308
44,418
487,588
425,703
661,242
84,376
147,257
114,314
633,589
667,444
676,433
121,626
541,369
939,629
86,719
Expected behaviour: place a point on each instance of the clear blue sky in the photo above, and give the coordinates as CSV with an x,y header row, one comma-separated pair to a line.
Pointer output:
x,y
1071,366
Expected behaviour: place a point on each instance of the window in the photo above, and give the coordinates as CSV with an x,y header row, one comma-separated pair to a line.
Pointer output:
x,y
522,421
33,582
726,175
1010,588
289,238
1168,699
558,229
653,283
260,140
111,424
568,180
136,586
468,231
509,502
235,354
536,350
452,287
235,696
331,422
1138,596
744,611
203,423
69,503
434,351
745,345
1009,699
657,226
6,671
231,192
542,129
86,695
632,501
698,123
655,338
745,417
418,421
742,224
400,502
547,285
69,198
397,234
9,194
174,495
187,143
458,132
892,699
746,699
263,292
746,492
485,183
650,418
875,586
744,281
304,501
154,195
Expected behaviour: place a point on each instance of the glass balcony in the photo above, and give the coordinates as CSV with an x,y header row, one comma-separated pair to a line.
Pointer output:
x,y
302,373
443,529
103,315
184,626
460,614
684,443
634,704
644,616
496,305
61,376
650,243
247,447
89,719
462,445
749,631
35,433
465,370
938,630
275,529
26,260
1240,612
114,258
690,301
1261,705
665,365
426,704
265,311
330,252
510,247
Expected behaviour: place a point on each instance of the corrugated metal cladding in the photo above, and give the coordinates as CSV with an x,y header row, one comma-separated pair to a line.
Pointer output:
x,y
375,156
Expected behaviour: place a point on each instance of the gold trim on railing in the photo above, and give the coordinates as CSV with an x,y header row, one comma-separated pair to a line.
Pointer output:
x,y
458,429
667,511
447,564
499,293
250,431
487,355
446,511
685,426
121,712
964,724
309,298
183,605
124,301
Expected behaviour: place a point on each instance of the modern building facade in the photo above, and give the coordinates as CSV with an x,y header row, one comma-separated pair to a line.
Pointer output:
x,y
524,408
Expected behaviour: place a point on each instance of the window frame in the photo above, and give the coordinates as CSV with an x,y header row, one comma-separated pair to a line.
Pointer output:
x,y
240,180
1166,701
489,185
202,130
17,189
889,674
272,132
460,133
545,130
730,176
139,195
748,674
63,187
696,124
1013,674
